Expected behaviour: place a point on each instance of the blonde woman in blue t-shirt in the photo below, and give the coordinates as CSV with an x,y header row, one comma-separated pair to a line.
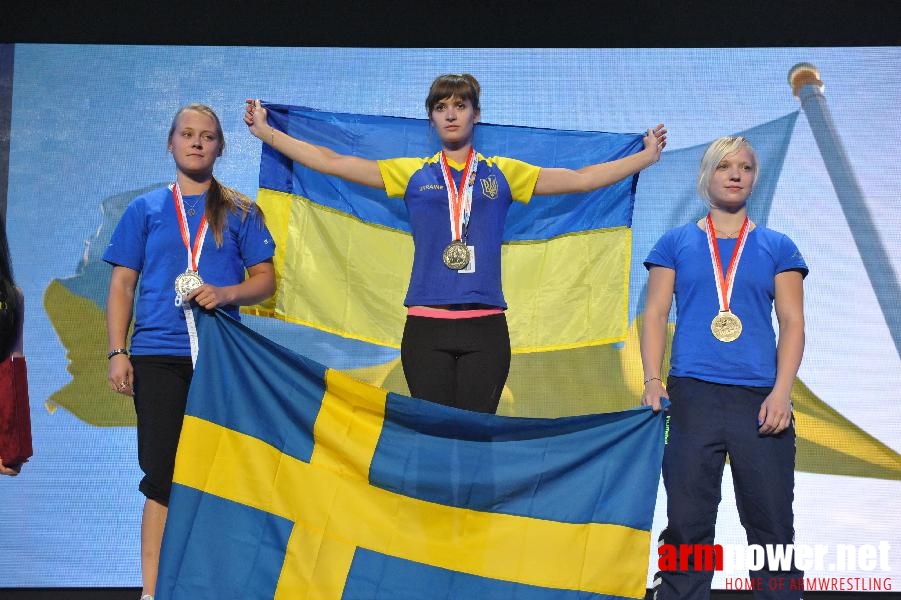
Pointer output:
x,y
730,380
455,348
163,261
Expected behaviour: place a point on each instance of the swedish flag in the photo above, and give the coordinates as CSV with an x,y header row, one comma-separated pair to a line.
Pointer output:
x,y
295,481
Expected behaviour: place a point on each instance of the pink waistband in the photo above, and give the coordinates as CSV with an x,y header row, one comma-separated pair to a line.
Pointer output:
x,y
443,313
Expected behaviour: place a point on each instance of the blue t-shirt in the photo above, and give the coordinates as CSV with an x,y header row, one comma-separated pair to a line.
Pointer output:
x,y
148,240
751,359
420,182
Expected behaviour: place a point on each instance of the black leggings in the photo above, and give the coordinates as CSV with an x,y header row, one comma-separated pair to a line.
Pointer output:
x,y
161,393
457,362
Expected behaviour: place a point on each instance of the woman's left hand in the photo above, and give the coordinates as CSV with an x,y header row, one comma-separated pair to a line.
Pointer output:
x,y
655,142
775,414
256,118
209,296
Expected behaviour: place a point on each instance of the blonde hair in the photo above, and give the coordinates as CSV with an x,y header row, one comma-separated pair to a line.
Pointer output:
x,y
714,154
220,198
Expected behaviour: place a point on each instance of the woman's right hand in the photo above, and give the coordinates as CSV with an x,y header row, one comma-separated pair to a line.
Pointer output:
x,y
256,118
653,392
120,375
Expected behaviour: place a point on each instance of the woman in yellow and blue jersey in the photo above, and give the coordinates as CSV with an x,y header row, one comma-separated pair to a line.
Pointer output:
x,y
455,348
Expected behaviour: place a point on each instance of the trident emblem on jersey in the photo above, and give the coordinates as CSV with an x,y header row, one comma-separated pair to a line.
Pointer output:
x,y
489,187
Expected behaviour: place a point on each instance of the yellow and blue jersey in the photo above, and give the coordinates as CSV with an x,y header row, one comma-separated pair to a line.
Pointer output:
x,y
420,182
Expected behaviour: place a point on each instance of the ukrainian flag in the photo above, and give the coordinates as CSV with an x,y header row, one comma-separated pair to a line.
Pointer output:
x,y
344,251
295,481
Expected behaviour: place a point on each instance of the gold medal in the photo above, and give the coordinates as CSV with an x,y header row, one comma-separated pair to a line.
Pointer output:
x,y
187,282
726,327
456,255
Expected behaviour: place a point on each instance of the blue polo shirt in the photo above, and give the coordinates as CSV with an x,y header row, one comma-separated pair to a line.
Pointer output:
x,y
148,240
420,182
751,359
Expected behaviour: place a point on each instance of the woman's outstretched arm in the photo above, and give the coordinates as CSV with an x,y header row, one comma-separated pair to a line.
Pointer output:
x,y
319,158
553,181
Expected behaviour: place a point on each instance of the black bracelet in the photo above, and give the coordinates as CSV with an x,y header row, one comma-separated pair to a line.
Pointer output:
x,y
117,351
647,381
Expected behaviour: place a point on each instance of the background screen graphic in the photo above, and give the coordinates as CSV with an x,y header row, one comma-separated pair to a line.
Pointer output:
x,y
88,129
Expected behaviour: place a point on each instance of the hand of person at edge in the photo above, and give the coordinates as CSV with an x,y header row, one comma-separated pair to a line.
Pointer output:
x,y
655,142
256,118
653,392
775,414
12,470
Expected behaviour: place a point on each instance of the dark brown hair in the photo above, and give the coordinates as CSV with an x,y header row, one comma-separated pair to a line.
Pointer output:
x,y
10,310
462,86
220,198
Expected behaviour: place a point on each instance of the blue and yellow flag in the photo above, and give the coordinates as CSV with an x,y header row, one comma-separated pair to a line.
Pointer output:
x,y
296,481
344,251
543,384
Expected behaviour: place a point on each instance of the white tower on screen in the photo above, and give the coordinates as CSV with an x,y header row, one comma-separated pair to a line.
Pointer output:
x,y
808,87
